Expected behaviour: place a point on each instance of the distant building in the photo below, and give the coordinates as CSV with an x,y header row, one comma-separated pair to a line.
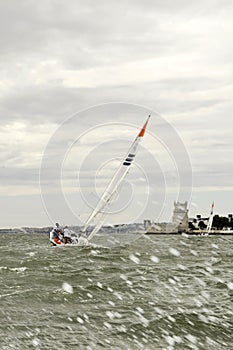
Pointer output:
x,y
147,224
179,221
182,223
180,216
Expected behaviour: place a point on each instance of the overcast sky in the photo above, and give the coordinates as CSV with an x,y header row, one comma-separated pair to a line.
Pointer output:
x,y
59,59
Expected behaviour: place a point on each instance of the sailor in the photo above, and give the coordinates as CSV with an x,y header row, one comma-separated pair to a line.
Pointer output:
x,y
57,233
57,227
67,235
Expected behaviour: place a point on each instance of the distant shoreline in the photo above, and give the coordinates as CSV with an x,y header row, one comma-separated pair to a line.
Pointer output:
x,y
191,233
46,230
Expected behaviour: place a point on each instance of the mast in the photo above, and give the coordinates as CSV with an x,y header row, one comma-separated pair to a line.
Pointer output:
x,y
114,184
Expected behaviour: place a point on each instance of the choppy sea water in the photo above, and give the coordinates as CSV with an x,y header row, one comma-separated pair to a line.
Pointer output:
x,y
158,292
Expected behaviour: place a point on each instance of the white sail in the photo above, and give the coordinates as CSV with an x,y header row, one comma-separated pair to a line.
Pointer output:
x,y
210,222
113,186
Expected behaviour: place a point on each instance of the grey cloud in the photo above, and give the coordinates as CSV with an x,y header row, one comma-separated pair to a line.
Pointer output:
x,y
40,104
22,26
80,35
55,103
213,178
84,34
19,176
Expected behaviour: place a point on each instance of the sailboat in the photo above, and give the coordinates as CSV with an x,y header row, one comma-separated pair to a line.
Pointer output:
x,y
210,222
99,213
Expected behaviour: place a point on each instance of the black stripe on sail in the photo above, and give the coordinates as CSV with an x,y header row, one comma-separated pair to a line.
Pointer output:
x,y
129,159
126,163
131,155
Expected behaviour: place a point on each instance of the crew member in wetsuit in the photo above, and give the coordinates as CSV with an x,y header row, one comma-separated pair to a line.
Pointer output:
x,y
57,233
67,235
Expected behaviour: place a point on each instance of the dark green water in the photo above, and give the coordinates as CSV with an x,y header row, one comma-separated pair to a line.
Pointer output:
x,y
158,292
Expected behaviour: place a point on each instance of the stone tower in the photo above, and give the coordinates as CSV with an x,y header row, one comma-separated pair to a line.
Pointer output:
x,y
180,216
